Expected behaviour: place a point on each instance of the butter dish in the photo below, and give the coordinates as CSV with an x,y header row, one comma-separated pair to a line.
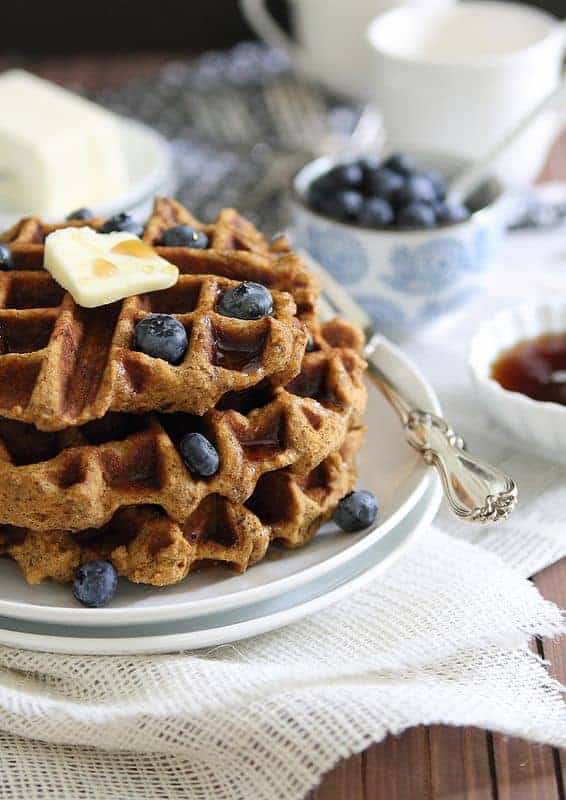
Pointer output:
x,y
58,151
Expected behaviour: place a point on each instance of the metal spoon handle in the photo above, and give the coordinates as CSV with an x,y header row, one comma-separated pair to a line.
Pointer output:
x,y
475,490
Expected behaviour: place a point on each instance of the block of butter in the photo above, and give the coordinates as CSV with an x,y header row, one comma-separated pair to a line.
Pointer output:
x,y
58,152
100,268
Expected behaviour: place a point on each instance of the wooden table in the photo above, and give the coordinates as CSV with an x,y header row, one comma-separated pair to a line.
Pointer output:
x,y
424,763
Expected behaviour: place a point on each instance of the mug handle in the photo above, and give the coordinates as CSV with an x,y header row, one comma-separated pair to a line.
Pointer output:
x,y
261,21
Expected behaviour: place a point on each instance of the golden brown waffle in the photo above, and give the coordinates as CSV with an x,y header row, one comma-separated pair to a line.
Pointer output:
x,y
62,365
90,429
81,476
236,249
148,546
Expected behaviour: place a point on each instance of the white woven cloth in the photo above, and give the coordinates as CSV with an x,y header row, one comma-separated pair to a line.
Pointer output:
x,y
442,637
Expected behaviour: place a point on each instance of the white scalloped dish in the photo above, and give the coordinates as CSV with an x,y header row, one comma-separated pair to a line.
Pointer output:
x,y
540,426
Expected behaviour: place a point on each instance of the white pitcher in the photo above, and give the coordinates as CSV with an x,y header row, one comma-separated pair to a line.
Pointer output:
x,y
332,45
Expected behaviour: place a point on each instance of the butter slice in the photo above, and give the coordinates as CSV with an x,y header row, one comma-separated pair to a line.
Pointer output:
x,y
100,268
58,151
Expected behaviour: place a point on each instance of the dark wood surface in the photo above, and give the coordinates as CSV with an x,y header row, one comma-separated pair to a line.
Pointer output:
x,y
424,763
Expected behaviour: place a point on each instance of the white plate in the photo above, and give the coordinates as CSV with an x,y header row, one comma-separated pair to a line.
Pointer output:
x,y
237,624
388,466
150,172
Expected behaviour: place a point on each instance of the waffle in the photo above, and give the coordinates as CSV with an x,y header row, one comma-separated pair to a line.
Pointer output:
x,y
62,365
81,476
90,429
148,546
236,249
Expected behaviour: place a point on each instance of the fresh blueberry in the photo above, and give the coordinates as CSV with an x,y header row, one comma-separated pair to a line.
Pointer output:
x,y
123,223
345,176
438,181
416,215
185,236
200,455
356,511
383,183
318,197
6,258
341,204
345,205
416,189
401,163
376,213
247,301
161,336
81,213
95,583
322,187
369,164
451,213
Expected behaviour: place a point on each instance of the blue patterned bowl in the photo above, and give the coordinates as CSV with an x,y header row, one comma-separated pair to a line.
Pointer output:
x,y
403,279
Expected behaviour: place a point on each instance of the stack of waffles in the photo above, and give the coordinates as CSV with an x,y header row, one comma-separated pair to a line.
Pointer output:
x,y
90,428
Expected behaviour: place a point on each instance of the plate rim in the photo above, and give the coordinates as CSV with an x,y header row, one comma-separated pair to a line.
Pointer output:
x,y
234,632
171,612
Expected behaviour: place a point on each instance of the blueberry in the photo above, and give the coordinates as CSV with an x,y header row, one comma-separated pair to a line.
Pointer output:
x,y
81,213
123,223
345,176
376,213
199,454
383,183
369,164
416,189
451,213
6,258
356,511
185,236
416,215
161,336
318,197
401,163
438,181
95,583
246,301
344,205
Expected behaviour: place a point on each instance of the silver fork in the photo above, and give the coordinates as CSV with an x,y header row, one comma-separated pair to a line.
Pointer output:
x,y
475,490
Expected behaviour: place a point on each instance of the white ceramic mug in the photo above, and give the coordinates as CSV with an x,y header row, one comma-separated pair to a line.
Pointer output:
x,y
457,79
332,45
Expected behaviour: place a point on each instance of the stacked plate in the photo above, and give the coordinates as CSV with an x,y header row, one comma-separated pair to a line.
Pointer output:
x,y
150,173
214,606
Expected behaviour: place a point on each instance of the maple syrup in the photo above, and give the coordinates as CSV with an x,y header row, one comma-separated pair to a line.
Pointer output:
x,y
535,368
135,248
103,268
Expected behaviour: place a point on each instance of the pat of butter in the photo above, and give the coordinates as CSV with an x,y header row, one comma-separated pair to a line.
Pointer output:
x,y
100,268
58,151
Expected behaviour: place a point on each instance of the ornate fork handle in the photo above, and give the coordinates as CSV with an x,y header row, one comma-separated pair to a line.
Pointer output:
x,y
475,490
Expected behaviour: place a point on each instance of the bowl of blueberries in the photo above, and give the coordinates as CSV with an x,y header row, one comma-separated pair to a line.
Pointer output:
x,y
384,229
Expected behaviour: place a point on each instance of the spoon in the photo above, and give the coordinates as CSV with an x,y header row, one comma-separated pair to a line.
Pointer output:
x,y
464,184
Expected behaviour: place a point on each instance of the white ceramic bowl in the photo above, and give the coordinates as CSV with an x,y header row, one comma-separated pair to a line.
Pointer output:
x,y
402,278
539,426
